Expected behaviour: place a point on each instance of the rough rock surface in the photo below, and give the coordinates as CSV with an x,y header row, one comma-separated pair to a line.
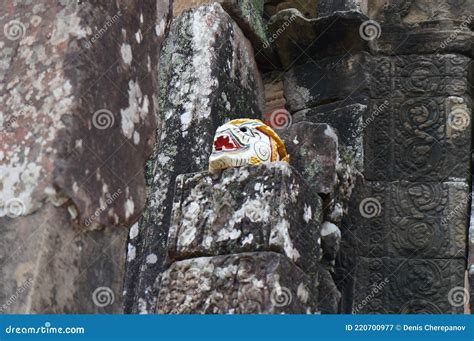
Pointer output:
x,y
208,75
246,283
329,296
77,100
313,149
274,92
348,121
68,144
248,14
298,39
344,80
257,208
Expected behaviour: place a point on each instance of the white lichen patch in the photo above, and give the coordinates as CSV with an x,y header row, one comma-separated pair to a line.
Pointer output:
x,y
129,208
247,240
280,235
133,231
307,213
151,259
131,252
190,216
302,293
126,53
137,110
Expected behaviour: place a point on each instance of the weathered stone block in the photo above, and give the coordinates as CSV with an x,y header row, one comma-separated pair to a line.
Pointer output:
x,y
208,74
348,121
70,141
410,219
299,39
315,8
408,286
258,208
418,139
247,283
329,80
313,149
419,76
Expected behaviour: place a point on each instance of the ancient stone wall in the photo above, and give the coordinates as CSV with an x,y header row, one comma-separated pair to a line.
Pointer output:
x,y
375,102
106,201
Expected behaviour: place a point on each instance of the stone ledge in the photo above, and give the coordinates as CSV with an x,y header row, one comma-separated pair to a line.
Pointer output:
x,y
256,208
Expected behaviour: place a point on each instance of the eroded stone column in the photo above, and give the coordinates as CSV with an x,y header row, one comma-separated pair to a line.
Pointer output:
x,y
78,82
209,74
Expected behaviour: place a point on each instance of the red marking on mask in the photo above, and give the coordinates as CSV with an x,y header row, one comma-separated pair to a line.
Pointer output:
x,y
224,143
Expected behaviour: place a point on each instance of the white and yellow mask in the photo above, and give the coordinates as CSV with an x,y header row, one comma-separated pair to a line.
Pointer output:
x,y
245,142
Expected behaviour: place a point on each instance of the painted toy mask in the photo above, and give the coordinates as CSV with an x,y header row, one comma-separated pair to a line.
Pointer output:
x,y
245,142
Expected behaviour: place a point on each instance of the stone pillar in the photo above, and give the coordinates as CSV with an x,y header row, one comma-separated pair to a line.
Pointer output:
x,y
245,240
78,84
209,74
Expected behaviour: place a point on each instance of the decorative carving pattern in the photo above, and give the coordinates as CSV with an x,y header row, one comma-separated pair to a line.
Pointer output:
x,y
412,285
423,130
418,219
